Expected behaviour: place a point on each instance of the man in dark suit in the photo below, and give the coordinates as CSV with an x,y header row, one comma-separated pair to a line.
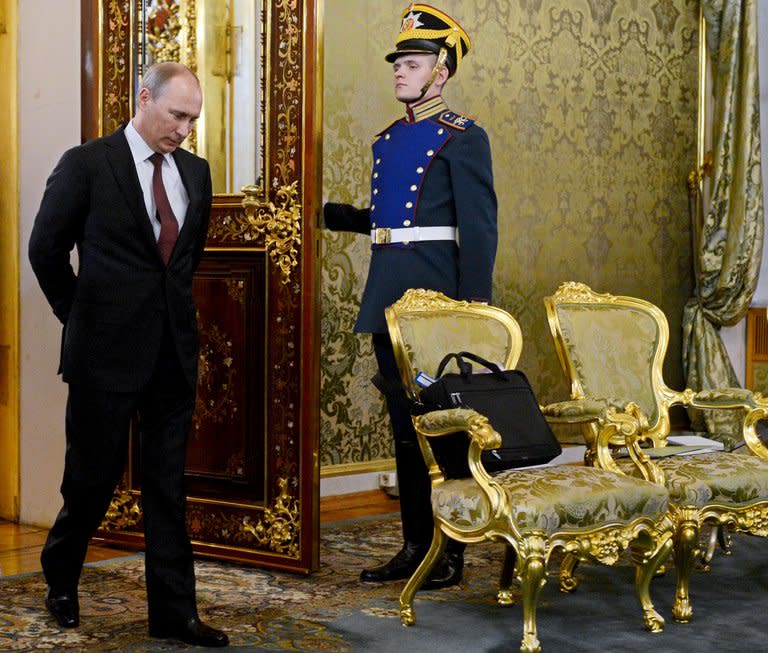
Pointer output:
x,y
136,208
432,221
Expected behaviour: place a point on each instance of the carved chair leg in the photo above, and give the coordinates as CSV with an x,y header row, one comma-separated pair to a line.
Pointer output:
x,y
533,575
686,550
435,552
568,580
647,562
702,564
717,537
504,596
724,539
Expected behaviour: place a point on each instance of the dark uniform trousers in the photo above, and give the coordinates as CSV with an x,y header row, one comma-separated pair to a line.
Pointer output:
x,y
97,427
415,489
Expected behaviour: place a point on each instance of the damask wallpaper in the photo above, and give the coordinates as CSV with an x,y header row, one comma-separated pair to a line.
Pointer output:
x,y
590,106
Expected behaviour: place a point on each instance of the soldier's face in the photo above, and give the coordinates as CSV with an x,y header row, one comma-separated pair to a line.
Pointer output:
x,y
411,72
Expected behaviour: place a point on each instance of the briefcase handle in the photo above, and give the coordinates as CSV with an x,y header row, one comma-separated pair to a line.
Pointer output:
x,y
465,368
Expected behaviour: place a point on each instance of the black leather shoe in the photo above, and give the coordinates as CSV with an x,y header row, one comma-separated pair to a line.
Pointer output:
x,y
401,566
193,632
64,608
446,572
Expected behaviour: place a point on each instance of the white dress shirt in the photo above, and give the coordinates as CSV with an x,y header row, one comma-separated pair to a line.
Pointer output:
x,y
177,194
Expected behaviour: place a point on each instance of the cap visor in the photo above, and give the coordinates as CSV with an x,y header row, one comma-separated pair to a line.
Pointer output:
x,y
399,53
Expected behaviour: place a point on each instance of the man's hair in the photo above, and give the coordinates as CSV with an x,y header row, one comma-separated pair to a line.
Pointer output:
x,y
158,75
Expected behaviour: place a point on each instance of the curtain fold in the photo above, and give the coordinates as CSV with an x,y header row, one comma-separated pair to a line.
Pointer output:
x,y
730,238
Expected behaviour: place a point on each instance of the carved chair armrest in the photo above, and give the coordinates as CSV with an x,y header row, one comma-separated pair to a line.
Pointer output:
x,y
437,423
711,399
628,425
577,411
586,411
723,398
749,429
753,404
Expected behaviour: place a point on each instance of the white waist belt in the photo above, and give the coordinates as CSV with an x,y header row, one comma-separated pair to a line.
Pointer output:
x,y
385,235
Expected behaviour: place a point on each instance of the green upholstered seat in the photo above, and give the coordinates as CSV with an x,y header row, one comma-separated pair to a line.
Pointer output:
x,y
565,498
701,479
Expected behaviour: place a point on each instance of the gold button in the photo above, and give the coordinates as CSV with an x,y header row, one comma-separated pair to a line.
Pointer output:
x,y
386,137
430,152
375,175
378,161
409,205
373,225
375,191
440,131
406,223
414,188
419,169
373,207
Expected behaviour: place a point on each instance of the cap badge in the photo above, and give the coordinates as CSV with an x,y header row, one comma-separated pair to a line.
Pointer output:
x,y
411,21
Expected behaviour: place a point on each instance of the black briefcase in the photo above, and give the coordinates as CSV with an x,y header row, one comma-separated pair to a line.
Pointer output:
x,y
505,397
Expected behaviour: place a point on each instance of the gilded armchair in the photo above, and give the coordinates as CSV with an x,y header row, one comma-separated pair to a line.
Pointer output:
x,y
612,349
589,513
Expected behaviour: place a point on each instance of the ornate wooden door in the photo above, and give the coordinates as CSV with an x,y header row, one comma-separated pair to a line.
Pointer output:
x,y
252,466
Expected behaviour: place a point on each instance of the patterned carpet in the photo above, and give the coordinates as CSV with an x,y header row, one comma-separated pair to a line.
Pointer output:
x,y
331,611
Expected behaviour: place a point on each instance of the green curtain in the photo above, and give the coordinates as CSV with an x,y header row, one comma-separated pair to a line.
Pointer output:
x,y
730,238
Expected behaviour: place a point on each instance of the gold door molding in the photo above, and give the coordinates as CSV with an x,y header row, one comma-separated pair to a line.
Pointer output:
x,y
9,267
252,466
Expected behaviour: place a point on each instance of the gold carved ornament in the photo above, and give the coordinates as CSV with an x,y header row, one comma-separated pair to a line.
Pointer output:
x,y
115,32
279,528
124,510
279,221
163,28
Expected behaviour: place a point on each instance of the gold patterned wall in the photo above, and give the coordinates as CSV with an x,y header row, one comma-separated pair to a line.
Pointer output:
x,y
590,106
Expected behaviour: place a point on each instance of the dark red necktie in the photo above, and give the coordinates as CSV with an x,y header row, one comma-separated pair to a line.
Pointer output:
x,y
169,226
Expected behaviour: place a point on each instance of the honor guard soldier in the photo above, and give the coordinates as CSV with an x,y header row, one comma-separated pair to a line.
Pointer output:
x,y
432,224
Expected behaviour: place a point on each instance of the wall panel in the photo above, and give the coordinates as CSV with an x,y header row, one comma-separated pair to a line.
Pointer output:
x,y
591,111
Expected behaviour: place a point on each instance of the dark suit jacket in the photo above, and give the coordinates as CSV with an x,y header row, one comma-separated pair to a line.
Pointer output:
x,y
117,304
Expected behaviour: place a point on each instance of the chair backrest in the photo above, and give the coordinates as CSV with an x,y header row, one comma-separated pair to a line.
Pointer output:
x,y
425,325
612,347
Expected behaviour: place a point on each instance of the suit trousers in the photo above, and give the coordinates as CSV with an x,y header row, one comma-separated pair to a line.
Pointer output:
x,y
97,427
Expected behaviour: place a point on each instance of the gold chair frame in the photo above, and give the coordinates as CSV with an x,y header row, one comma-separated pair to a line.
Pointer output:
x,y
528,548
749,515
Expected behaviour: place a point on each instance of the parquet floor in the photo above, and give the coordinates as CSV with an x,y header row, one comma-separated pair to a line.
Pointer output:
x,y
20,545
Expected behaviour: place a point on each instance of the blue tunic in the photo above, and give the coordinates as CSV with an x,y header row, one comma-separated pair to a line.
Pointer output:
x,y
402,155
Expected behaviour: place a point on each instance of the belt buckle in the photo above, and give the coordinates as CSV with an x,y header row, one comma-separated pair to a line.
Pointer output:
x,y
382,236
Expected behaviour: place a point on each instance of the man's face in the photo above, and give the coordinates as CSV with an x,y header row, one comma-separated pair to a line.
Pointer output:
x,y
411,72
166,120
